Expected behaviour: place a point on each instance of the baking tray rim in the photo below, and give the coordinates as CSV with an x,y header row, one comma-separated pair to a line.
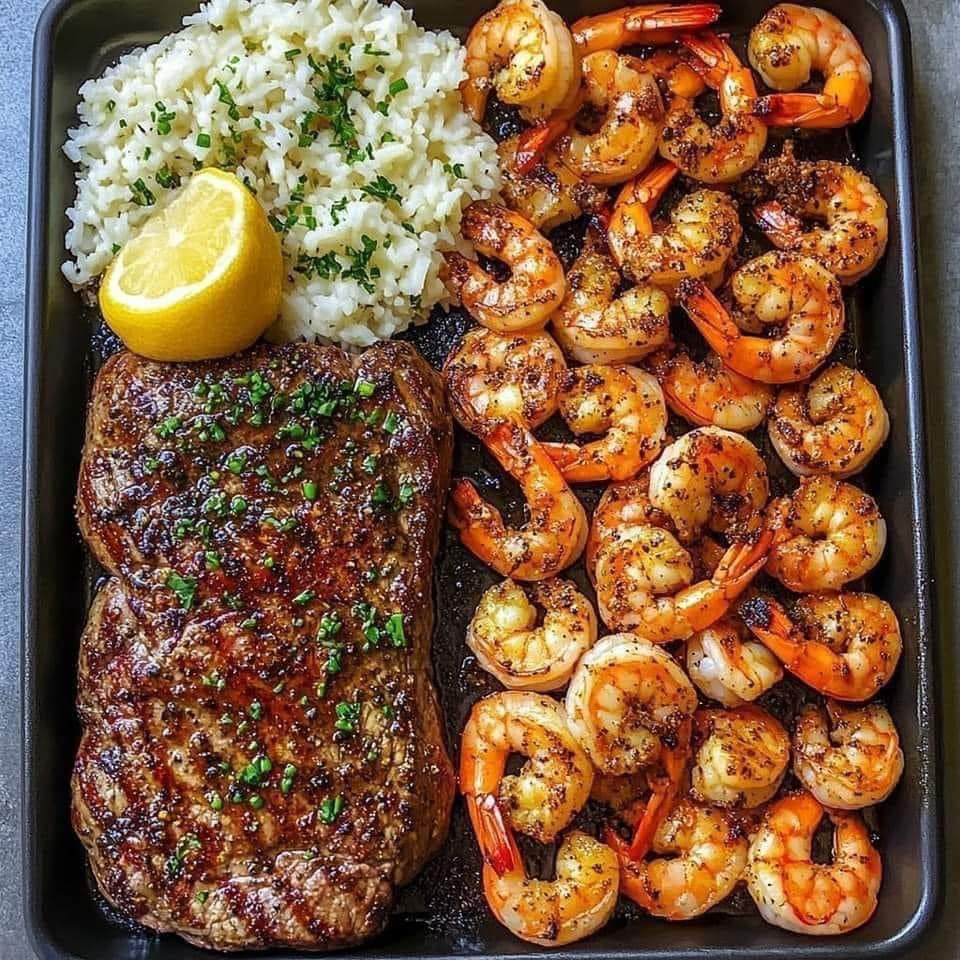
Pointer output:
x,y
894,17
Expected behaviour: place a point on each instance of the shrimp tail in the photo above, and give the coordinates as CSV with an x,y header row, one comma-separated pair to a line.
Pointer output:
x,y
668,16
496,841
814,110
708,314
535,141
782,228
712,59
741,563
466,505
651,187
771,626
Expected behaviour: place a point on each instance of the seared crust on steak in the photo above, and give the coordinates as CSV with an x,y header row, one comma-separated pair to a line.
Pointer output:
x,y
262,759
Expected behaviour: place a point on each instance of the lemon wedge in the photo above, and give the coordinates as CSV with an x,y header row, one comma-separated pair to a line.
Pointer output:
x,y
201,279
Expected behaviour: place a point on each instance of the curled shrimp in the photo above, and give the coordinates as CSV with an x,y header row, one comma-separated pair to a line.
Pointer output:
x,y
645,583
536,286
724,152
508,642
526,53
702,232
794,892
794,295
492,377
640,25
701,854
826,534
787,45
551,787
835,424
740,756
707,393
850,223
729,667
594,325
627,98
552,913
549,192
711,478
627,700
844,645
554,535
847,758
626,405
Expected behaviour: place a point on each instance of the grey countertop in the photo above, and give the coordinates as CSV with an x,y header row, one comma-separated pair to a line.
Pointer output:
x,y
936,45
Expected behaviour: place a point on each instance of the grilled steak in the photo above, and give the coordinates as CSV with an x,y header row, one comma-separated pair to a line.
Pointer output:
x,y
262,761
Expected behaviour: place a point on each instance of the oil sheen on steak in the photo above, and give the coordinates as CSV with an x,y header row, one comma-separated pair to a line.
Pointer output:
x,y
262,760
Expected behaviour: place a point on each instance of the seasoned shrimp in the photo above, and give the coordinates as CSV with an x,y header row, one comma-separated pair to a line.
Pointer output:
x,y
728,667
847,758
549,192
551,787
794,295
556,912
627,98
787,45
796,893
640,25
826,534
626,405
697,241
627,700
675,74
711,478
594,325
702,854
534,290
709,394
645,583
850,229
554,535
526,53
724,152
740,756
492,377
844,645
834,424
507,641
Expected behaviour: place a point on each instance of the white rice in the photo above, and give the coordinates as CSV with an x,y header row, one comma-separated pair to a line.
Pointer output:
x,y
266,54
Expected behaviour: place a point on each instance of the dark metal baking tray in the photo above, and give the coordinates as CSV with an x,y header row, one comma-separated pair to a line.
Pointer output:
x,y
441,916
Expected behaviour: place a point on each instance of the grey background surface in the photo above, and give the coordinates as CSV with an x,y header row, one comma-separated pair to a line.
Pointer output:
x,y
935,26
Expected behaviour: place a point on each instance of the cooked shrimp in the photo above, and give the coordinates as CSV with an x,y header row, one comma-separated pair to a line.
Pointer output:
x,y
556,912
507,641
794,295
740,756
621,505
702,232
709,394
844,645
728,667
794,892
792,41
492,377
554,535
536,286
626,405
549,192
645,583
551,787
826,534
834,424
640,25
709,855
594,325
850,231
847,758
627,700
724,152
675,74
627,98
711,478
526,53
